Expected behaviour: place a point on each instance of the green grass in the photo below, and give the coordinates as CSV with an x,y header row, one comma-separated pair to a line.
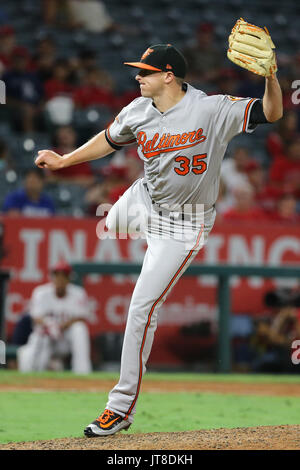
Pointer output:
x,y
14,377
27,416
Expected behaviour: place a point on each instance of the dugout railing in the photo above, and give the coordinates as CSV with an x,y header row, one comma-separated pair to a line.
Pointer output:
x,y
222,272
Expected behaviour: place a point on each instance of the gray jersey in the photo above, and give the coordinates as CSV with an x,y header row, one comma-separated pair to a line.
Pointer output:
x,y
183,148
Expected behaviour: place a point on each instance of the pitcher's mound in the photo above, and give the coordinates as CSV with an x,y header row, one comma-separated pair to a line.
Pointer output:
x,y
262,438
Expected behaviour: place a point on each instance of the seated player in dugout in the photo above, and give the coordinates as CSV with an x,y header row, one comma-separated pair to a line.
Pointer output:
x,y
59,310
182,135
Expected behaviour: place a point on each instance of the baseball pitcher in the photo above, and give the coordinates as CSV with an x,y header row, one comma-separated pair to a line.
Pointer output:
x,y
181,135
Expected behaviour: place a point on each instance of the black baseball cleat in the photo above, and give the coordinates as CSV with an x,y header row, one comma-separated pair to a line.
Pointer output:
x,y
107,424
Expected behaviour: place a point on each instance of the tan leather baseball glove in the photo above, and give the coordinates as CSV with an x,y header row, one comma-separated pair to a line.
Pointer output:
x,y
252,48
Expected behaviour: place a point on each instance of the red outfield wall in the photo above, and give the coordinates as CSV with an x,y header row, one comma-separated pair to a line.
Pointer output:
x,y
32,245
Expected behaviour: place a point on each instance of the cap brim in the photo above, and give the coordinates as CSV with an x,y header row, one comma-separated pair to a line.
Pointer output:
x,y
141,65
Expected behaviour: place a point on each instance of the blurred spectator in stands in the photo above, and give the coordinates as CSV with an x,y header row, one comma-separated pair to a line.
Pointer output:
x,y
124,168
288,91
134,165
255,175
286,209
224,200
59,106
6,162
8,174
81,63
91,15
49,8
30,201
285,168
65,141
24,91
96,89
8,46
113,185
59,84
265,195
251,84
295,65
56,13
46,45
44,59
95,86
131,170
59,311
274,335
3,15
287,131
244,207
227,82
125,98
96,195
233,168
122,171
203,57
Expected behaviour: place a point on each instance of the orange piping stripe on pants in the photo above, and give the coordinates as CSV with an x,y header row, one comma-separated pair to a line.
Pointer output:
x,y
149,320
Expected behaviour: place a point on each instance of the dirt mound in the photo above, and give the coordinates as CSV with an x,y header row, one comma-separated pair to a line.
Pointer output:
x,y
258,438
100,385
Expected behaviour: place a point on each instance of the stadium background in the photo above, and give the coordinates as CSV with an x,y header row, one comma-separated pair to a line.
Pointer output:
x,y
73,79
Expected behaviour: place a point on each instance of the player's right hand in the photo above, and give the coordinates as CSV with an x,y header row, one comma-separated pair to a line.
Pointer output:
x,y
49,159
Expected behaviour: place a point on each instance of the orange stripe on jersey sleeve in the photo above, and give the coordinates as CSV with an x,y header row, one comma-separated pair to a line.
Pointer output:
x,y
118,143
246,113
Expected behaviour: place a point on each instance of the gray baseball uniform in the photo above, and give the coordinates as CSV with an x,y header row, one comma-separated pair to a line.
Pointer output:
x,y
182,150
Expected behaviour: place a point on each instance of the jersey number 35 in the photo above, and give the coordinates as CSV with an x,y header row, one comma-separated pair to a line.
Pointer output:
x,y
196,164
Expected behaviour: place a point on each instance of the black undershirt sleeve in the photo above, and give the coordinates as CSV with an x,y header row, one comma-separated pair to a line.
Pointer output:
x,y
257,115
114,146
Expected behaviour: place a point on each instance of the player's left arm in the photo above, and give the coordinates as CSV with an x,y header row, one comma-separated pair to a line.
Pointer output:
x,y
272,100
268,109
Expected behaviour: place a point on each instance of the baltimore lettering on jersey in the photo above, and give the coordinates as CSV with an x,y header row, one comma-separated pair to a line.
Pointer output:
x,y
166,143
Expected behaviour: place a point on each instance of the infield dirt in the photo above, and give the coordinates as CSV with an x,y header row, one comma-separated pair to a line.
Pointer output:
x,y
259,438
96,385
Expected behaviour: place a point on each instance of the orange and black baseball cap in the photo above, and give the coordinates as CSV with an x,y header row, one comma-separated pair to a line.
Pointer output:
x,y
162,58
